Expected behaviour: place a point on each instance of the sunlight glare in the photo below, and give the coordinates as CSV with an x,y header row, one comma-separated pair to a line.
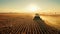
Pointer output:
x,y
32,8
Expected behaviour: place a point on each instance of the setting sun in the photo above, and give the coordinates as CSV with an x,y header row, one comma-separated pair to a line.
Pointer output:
x,y
32,8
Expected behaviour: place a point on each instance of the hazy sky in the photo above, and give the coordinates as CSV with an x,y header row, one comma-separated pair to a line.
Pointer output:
x,y
20,5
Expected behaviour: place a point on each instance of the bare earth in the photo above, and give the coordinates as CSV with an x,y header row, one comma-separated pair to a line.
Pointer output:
x,y
24,24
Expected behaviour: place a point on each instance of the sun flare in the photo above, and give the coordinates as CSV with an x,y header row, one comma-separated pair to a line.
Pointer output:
x,y
32,8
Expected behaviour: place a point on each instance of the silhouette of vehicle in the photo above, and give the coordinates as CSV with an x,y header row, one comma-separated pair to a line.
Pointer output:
x,y
37,17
